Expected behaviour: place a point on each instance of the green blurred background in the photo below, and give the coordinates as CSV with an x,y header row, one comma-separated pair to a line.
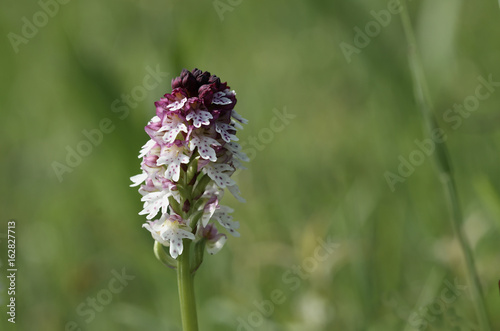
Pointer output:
x,y
320,177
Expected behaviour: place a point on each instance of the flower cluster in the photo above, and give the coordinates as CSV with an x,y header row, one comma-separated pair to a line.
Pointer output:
x,y
188,163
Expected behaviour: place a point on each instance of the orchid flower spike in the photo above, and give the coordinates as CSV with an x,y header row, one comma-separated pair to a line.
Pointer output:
x,y
188,162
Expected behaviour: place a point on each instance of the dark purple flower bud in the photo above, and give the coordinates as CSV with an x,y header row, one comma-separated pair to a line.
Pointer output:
x,y
177,81
206,93
214,79
190,84
201,77
209,232
187,81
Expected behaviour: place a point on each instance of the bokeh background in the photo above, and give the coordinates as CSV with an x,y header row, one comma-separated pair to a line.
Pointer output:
x,y
319,177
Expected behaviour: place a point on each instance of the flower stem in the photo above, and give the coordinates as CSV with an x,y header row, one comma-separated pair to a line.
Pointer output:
x,y
444,164
186,290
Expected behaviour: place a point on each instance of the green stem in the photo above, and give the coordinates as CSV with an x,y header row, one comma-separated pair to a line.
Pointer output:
x,y
444,165
186,289
456,217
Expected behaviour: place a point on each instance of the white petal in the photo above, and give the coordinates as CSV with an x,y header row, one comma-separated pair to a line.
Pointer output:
x,y
236,150
226,220
237,125
220,99
235,191
217,174
154,234
177,105
199,117
173,125
214,247
238,117
185,234
176,247
223,129
204,147
153,202
208,212
138,179
172,156
147,147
